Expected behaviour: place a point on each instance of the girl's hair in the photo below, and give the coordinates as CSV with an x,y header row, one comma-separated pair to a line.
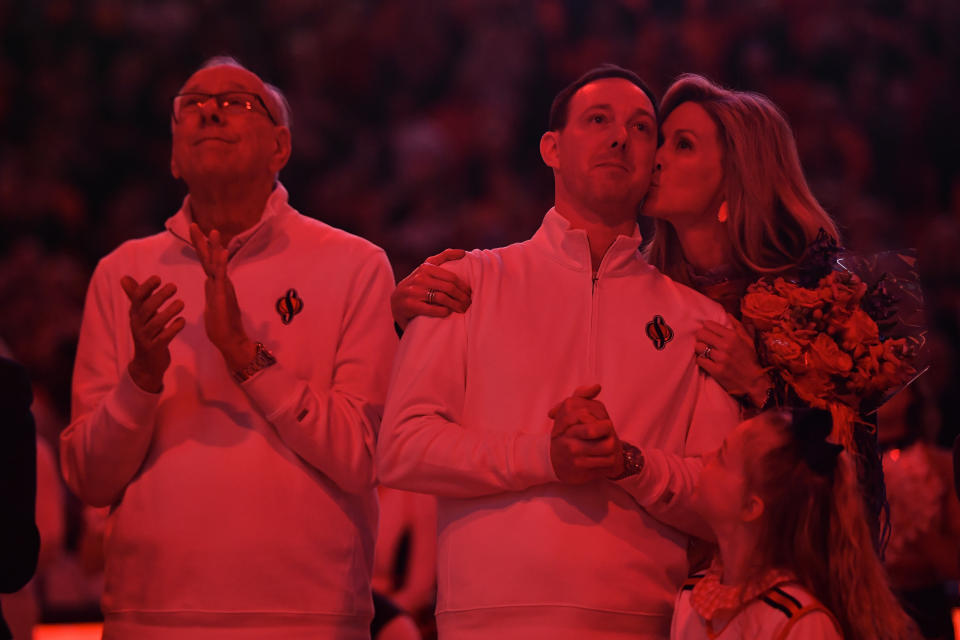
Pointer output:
x,y
814,525
773,216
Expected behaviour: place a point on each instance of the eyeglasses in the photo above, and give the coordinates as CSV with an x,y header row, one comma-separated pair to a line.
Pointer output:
x,y
232,102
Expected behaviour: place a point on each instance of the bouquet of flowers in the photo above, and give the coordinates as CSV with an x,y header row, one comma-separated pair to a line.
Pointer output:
x,y
833,341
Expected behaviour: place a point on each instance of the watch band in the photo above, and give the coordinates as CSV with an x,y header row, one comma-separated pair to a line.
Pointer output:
x,y
261,360
632,460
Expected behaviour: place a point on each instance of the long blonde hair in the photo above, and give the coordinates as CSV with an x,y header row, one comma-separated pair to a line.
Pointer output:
x,y
814,525
773,216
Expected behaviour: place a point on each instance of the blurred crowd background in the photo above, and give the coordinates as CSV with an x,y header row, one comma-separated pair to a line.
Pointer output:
x,y
416,125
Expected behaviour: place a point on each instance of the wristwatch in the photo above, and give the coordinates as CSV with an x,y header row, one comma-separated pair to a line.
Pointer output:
x,y
261,360
632,460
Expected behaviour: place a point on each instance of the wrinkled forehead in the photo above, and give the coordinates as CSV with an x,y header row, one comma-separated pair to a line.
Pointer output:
x,y
616,93
224,78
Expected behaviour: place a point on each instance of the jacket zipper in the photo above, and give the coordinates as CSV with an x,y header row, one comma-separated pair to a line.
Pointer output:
x,y
593,374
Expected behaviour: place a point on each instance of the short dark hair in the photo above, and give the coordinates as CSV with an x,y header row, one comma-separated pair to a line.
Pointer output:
x,y
559,110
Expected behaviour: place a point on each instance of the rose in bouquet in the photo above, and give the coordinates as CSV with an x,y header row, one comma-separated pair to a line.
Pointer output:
x,y
824,348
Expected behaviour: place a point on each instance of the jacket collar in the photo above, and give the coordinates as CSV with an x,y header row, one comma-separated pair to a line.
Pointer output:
x,y
571,247
179,223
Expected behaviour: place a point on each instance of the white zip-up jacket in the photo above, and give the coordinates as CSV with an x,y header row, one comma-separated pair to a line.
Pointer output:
x,y
519,554
239,510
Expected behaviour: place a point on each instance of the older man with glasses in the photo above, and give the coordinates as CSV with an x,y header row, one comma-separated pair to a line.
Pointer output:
x,y
229,381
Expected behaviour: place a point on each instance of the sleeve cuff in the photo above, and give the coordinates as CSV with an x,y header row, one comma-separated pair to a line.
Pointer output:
x,y
533,458
272,389
130,405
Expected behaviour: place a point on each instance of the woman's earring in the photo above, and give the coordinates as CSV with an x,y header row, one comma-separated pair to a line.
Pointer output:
x,y
723,212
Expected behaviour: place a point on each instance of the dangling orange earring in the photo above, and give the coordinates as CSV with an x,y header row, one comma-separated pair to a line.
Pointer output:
x,y
723,212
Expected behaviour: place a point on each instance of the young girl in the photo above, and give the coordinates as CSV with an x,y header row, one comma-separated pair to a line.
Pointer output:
x,y
795,559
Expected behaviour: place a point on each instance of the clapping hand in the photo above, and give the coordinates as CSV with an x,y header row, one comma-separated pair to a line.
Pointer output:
x,y
152,329
221,313
584,445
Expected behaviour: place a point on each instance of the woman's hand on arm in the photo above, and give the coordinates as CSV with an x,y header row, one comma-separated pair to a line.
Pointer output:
x,y
412,296
728,354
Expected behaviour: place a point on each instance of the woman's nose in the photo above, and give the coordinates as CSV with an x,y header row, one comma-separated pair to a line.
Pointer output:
x,y
658,160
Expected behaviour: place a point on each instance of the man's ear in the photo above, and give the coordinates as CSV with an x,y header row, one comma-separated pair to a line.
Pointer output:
x,y
281,153
549,149
752,509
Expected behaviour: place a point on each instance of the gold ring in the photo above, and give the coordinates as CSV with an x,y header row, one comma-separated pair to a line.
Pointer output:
x,y
431,295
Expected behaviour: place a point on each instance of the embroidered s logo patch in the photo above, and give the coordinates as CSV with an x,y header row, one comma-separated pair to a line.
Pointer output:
x,y
289,305
659,332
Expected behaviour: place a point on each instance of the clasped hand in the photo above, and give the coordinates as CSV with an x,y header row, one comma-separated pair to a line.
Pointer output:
x,y
584,445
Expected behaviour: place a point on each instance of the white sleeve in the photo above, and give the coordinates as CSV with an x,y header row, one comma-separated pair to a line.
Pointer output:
x,y
113,419
665,485
424,446
334,428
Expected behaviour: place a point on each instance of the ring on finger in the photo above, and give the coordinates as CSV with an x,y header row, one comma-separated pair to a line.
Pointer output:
x,y
431,295
706,353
